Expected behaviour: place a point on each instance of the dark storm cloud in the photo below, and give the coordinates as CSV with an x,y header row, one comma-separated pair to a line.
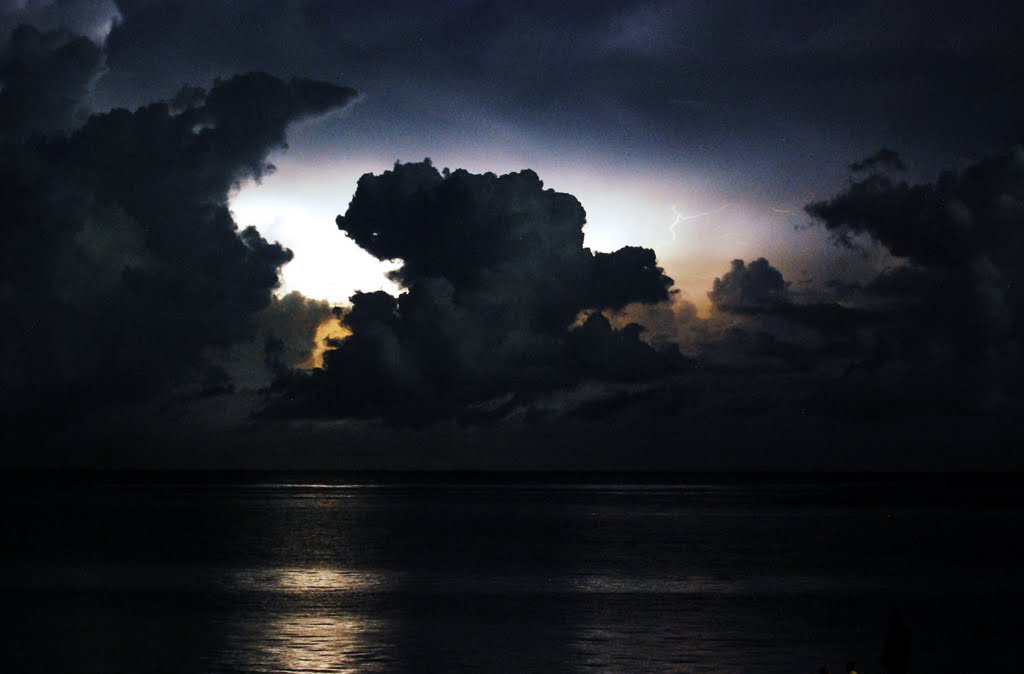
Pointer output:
x,y
92,19
122,266
741,90
46,79
962,239
282,338
759,290
966,216
883,159
949,322
488,234
51,59
496,274
290,324
757,325
124,272
747,287
939,332
597,350
188,96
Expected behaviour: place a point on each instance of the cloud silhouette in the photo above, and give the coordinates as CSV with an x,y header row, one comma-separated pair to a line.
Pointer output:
x,y
46,81
503,300
948,320
964,217
744,287
885,159
122,265
495,275
960,237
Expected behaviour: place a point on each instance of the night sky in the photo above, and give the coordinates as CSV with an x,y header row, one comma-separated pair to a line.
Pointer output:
x,y
472,234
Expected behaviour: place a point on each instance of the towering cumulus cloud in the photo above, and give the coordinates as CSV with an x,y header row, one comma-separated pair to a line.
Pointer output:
x,y
495,274
122,266
745,287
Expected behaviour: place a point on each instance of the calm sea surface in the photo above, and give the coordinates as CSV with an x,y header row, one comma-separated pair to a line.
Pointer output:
x,y
281,573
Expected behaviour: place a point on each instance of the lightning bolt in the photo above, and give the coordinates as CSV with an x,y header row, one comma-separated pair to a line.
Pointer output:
x,y
683,218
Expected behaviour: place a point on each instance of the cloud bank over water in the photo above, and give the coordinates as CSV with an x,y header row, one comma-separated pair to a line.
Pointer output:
x,y
132,297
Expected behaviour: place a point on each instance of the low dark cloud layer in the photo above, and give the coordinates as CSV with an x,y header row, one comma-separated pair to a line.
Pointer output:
x,y
122,268
495,274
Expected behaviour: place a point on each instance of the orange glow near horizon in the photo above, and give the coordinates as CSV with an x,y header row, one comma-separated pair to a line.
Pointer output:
x,y
695,227
329,329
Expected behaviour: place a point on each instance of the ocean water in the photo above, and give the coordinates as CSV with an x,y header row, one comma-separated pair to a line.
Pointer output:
x,y
285,573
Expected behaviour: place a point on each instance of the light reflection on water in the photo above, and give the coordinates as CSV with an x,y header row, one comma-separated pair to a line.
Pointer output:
x,y
307,636
313,628
302,581
295,578
306,641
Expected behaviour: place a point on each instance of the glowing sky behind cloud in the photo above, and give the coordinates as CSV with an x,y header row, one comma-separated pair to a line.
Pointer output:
x,y
297,206
630,203
633,107
699,130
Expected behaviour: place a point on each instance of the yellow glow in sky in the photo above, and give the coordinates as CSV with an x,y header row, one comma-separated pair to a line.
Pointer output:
x,y
625,205
329,329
